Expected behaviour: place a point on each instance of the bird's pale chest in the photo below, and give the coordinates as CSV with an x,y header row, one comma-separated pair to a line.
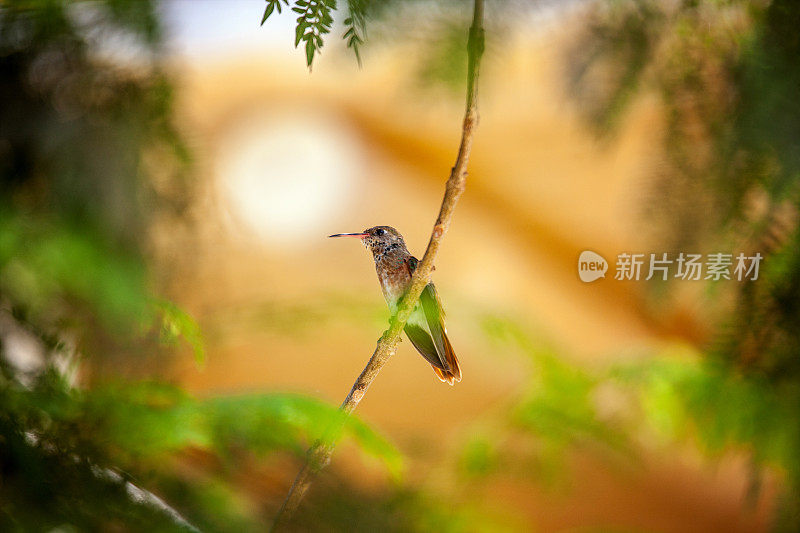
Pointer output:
x,y
394,277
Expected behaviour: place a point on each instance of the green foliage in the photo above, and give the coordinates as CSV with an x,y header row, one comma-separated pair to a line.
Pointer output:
x,y
291,422
679,394
315,19
622,33
479,456
46,484
438,27
703,400
444,57
89,157
356,25
558,410
44,265
727,76
725,72
335,505
134,428
74,201
176,323
272,5
562,405
313,22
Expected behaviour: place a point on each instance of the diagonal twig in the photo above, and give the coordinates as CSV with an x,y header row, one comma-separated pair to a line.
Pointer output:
x,y
319,455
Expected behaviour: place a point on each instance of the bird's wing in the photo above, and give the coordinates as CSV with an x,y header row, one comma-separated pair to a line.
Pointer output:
x,y
427,332
420,337
432,309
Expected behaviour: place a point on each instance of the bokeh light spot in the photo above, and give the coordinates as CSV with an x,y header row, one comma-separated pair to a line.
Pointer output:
x,y
285,175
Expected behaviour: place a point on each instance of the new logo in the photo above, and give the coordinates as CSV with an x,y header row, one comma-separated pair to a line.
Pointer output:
x,y
591,266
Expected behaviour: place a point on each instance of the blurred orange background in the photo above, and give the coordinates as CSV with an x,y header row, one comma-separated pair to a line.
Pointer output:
x,y
286,157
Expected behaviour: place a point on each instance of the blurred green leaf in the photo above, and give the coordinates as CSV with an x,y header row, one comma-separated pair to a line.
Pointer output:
x,y
176,323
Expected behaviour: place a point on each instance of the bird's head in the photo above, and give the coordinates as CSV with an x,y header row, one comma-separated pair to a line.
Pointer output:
x,y
378,239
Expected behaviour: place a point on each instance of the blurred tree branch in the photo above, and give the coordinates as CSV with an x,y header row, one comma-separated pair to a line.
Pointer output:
x,y
319,455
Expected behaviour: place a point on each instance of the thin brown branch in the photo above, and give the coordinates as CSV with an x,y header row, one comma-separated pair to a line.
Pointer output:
x,y
319,456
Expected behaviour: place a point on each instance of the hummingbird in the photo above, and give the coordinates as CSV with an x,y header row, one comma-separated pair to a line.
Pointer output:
x,y
425,326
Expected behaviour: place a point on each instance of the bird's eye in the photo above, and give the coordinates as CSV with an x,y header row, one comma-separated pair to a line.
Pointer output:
x,y
379,232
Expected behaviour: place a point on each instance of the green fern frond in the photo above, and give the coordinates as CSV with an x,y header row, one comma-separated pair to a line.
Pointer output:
x,y
272,5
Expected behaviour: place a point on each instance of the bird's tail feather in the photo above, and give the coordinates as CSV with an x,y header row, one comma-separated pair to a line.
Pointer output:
x,y
451,374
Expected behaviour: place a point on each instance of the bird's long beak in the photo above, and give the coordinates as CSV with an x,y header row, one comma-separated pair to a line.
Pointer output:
x,y
359,235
